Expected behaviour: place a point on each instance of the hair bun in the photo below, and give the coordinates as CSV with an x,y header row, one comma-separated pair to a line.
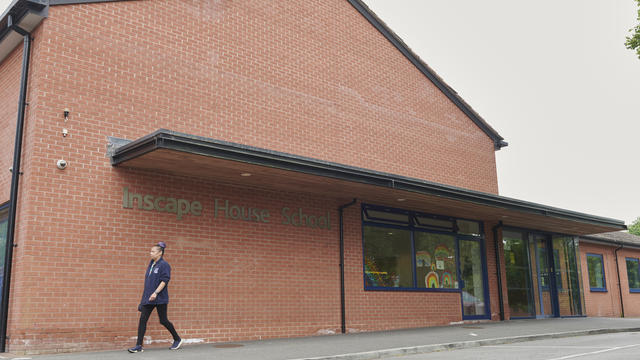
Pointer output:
x,y
162,244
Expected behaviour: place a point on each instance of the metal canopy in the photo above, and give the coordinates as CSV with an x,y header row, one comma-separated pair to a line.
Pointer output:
x,y
170,152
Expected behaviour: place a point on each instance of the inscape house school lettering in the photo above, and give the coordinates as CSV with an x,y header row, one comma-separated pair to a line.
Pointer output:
x,y
222,208
289,217
160,203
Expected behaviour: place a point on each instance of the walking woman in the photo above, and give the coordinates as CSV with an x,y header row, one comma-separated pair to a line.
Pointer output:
x,y
156,295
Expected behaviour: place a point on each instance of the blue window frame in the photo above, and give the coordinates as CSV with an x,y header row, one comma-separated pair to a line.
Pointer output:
x,y
633,274
595,266
413,251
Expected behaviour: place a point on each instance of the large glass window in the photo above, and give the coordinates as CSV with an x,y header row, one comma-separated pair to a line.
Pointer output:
x,y
633,274
595,265
436,261
387,260
415,251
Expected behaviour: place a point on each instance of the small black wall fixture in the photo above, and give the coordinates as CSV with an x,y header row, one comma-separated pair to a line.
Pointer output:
x,y
498,271
15,177
343,325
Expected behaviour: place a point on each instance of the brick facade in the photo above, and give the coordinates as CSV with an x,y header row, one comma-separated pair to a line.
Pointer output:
x,y
609,303
9,92
312,78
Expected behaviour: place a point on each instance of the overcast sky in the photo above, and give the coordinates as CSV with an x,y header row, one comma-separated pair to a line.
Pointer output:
x,y
553,78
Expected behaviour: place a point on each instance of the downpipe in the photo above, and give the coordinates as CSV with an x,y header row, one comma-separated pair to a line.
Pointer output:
x,y
343,322
15,178
619,284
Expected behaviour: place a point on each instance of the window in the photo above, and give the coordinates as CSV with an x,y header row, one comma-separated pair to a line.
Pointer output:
x,y
633,274
595,265
436,261
387,261
414,251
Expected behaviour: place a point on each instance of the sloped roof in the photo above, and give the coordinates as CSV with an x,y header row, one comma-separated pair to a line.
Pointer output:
x,y
615,237
428,72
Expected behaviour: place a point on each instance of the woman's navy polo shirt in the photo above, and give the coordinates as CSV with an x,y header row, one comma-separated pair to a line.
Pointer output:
x,y
160,272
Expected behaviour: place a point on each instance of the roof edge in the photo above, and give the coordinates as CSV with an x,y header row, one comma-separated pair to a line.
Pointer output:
x,y
365,11
167,139
600,241
25,14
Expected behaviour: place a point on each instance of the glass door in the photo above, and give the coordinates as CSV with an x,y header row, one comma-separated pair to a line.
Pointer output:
x,y
567,276
543,274
474,304
520,290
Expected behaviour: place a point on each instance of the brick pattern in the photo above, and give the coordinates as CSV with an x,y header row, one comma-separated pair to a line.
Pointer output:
x,y
9,93
492,272
601,303
608,303
311,78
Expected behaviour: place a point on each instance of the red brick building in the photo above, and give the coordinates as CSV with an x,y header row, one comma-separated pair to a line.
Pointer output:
x,y
308,172
611,274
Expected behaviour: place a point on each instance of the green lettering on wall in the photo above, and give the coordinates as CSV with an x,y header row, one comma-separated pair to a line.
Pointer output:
x,y
180,207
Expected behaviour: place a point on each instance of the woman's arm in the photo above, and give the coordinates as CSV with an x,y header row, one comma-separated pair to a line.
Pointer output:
x,y
158,289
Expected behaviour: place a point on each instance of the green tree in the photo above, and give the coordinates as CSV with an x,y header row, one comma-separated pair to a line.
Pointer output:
x,y
634,228
633,42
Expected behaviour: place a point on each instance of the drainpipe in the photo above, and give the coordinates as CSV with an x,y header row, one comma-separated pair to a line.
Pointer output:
x,y
498,271
15,177
619,285
342,300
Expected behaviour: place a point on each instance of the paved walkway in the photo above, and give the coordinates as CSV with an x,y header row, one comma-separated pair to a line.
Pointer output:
x,y
375,345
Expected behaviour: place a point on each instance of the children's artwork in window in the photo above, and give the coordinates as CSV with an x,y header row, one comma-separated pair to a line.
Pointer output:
x,y
435,260
431,280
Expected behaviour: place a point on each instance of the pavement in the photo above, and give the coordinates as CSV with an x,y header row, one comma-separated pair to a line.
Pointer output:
x,y
372,345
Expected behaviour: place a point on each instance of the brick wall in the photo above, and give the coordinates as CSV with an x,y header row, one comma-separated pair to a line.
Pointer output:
x,y
631,300
311,78
9,93
315,79
601,303
608,303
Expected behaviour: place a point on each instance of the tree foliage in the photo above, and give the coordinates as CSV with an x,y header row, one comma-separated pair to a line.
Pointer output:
x,y
633,42
634,228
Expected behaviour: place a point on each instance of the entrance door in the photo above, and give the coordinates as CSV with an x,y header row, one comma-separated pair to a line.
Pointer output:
x,y
474,299
520,287
567,275
543,273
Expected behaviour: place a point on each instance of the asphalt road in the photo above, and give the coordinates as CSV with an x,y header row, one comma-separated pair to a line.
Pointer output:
x,y
608,346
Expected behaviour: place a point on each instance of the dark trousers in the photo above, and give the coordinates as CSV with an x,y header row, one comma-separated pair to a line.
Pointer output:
x,y
145,312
